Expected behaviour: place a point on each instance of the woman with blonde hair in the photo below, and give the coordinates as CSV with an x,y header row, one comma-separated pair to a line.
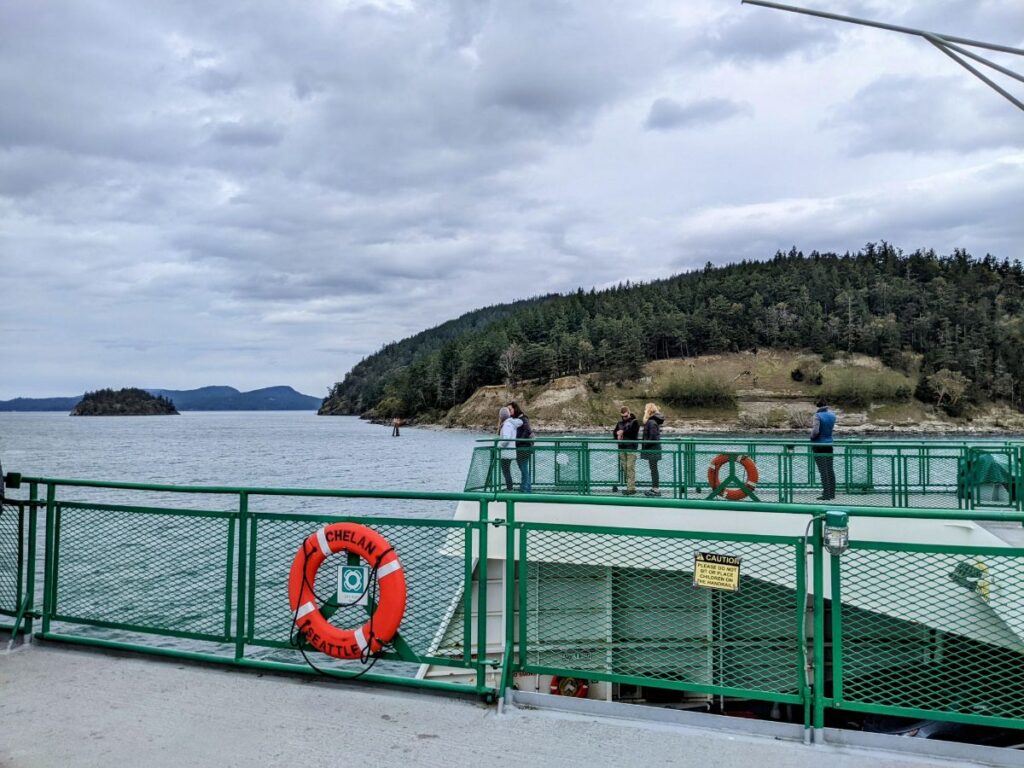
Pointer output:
x,y
651,445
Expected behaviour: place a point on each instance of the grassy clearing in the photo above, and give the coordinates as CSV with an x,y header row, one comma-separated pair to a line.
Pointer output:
x,y
862,387
697,390
716,389
900,413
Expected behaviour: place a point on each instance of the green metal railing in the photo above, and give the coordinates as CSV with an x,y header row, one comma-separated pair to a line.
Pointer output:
x,y
909,629
625,610
17,577
912,474
211,584
946,640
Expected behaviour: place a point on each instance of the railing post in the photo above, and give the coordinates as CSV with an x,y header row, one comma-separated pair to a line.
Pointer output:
x,y
801,633
493,473
481,597
787,491
467,597
243,567
679,489
585,455
48,576
893,478
30,576
819,633
837,630
510,598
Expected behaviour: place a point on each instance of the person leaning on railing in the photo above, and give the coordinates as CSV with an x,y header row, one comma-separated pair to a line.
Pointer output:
x,y
652,444
626,432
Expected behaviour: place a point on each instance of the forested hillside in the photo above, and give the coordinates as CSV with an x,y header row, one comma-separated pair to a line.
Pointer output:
x,y
959,318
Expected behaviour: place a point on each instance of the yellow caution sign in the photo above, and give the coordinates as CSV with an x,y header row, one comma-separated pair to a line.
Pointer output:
x,y
716,571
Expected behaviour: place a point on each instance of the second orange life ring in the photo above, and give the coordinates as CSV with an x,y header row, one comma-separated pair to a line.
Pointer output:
x,y
572,687
733,494
382,624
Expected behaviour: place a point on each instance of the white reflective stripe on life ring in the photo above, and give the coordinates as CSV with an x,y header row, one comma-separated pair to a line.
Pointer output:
x,y
321,539
360,639
389,568
304,609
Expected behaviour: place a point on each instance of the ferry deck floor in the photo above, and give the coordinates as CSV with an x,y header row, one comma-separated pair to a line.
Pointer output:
x,y
68,707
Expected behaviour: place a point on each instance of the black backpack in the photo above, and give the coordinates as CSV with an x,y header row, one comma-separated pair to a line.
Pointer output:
x,y
524,431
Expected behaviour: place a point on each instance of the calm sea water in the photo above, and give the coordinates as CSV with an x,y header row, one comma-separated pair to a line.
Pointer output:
x,y
285,449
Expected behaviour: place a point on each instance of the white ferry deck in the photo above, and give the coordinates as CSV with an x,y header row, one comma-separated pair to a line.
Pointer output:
x,y
70,707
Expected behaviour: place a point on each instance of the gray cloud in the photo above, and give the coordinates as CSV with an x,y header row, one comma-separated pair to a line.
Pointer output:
x,y
902,113
186,193
762,35
246,134
667,114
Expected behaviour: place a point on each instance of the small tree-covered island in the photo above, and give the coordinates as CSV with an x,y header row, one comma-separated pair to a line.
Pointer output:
x,y
130,401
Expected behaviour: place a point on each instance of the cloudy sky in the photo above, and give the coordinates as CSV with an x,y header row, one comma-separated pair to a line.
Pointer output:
x,y
260,193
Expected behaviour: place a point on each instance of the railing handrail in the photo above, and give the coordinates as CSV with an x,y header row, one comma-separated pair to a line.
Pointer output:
x,y
798,438
912,513
922,513
261,491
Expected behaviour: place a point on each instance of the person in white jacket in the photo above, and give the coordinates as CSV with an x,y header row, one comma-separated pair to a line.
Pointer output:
x,y
507,445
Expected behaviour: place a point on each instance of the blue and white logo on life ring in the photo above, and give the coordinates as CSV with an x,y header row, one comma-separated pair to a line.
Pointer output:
x,y
352,581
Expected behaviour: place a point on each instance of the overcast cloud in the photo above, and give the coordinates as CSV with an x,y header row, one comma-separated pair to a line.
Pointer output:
x,y
255,194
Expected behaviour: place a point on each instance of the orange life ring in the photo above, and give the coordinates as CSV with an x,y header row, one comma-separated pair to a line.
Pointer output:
x,y
569,686
382,625
733,494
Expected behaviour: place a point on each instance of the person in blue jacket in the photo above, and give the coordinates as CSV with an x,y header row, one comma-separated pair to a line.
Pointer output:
x,y
821,446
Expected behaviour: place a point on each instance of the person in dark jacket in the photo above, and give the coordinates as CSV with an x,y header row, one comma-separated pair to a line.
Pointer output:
x,y
821,446
523,445
626,432
651,449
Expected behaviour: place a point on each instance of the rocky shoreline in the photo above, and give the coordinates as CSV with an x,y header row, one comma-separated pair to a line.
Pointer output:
x,y
767,399
866,430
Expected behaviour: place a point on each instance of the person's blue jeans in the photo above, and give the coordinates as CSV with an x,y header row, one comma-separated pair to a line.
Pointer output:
x,y
524,471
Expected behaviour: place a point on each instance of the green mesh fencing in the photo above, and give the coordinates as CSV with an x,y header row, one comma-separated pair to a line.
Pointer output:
x,y
214,584
147,570
930,632
436,556
923,475
12,558
601,604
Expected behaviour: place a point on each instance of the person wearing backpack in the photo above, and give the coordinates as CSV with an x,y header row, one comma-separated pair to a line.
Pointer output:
x,y
651,446
523,445
626,432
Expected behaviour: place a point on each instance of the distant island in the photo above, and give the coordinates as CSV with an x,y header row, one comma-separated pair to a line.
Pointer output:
x,y
123,402
214,398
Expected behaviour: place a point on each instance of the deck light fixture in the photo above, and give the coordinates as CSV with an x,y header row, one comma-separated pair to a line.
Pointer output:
x,y
837,532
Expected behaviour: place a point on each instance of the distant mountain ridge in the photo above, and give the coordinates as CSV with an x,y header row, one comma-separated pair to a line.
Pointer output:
x,y
212,398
